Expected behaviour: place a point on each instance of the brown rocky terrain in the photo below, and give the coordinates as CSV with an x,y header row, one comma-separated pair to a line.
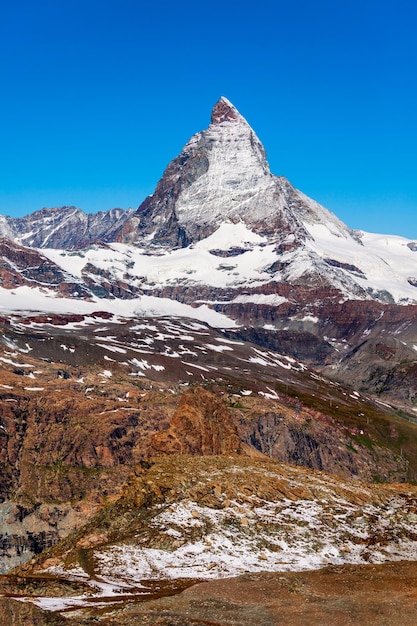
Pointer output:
x,y
379,595
350,517
339,595
79,460
202,425
66,450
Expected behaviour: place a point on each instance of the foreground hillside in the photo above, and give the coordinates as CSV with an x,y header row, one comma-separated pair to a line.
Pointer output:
x,y
338,595
181,519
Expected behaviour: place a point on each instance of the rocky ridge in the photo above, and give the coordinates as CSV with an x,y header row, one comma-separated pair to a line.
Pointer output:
x,y
63,227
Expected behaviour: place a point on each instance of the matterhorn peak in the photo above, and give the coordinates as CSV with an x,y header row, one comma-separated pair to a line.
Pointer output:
x,y
222,175
224,111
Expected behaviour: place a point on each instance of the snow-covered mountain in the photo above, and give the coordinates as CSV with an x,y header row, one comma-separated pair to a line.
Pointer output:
x,y
228,319
222,175
218,200
225,241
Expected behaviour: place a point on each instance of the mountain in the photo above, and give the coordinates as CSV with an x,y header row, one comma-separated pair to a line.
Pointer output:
x,y
224,240
170,364
65,227
222,175
220,191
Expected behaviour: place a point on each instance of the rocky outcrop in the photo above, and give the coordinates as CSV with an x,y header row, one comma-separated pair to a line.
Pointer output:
x,y
24,266
202,425
103,284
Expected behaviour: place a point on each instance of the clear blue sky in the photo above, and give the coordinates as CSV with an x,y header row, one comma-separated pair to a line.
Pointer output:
x,y
98,96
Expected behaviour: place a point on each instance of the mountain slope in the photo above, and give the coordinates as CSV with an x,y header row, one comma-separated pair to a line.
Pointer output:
x,y
213,517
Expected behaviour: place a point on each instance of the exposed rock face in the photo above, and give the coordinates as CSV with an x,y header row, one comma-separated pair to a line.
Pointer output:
x,y
224,111
201,425
23,266
314,439
6,229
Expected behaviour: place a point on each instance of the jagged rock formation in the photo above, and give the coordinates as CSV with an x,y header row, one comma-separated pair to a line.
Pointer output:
x,y
201,425
22,266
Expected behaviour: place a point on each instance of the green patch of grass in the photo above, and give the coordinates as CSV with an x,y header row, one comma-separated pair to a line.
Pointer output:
x,y
364,441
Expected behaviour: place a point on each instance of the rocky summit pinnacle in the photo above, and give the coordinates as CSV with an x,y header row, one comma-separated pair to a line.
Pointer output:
x,y
223,111
221,174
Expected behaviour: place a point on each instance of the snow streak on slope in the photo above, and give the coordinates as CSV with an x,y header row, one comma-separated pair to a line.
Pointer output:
x,y
26,299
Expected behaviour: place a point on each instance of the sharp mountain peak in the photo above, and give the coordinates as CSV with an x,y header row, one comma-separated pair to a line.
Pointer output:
x,y
223,111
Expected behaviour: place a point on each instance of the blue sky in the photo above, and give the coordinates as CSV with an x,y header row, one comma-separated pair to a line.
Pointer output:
x,y
98,96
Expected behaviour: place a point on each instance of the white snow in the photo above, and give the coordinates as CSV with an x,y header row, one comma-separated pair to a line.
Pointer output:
x,y
14,363
200,367
238,176
211,346
260,298
29,300
385,260
264,536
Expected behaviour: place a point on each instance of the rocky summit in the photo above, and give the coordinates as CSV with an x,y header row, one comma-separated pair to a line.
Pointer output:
x,y
220,383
